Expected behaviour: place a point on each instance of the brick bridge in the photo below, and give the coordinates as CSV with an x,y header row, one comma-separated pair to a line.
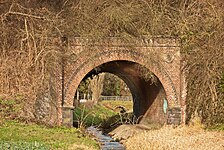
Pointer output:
x,y
159,57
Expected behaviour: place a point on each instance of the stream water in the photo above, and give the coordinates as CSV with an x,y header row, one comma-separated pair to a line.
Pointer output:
x,y
106,142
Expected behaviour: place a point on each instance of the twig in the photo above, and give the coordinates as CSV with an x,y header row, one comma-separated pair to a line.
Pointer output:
x,y
27,15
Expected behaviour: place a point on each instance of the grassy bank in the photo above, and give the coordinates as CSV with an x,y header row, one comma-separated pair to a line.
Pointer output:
x,y
17,135
86,115
91,116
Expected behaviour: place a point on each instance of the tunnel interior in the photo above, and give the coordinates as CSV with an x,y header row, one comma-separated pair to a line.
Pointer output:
x,y
146,89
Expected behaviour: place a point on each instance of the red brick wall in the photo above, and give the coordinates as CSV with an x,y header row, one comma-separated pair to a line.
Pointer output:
x,y
160,56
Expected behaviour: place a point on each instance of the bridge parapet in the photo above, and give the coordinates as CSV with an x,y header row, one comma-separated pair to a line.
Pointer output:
x,y
145,41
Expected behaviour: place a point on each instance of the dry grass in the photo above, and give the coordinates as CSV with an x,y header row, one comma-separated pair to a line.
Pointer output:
x,y
167,138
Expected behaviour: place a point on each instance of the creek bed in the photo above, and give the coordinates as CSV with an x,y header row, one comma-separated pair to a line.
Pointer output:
x,y
106,142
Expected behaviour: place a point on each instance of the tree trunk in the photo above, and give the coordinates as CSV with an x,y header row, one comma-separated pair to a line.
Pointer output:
x,y
96,86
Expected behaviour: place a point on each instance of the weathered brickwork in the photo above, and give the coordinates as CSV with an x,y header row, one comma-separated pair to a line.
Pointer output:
x,y
161,56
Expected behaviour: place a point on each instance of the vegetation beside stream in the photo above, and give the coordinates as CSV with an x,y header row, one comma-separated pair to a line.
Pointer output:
x,y
193,136
21,135
104,114
18,135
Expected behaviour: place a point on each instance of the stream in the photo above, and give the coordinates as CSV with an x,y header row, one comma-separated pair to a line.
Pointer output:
x,y
106,142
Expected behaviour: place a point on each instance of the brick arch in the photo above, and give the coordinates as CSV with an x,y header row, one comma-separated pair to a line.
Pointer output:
x,y
117,55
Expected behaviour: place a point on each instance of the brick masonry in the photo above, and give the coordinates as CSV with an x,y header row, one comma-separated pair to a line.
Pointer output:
x,y
161,56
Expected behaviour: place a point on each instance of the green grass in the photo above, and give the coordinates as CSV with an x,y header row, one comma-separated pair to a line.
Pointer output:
x,y
92,116
218,127
102,114
31,136
16,135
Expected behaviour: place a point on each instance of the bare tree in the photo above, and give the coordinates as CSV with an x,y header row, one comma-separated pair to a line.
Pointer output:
x,y
96,86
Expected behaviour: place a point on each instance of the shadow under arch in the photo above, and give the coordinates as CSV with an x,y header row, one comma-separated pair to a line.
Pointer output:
x,y
147,91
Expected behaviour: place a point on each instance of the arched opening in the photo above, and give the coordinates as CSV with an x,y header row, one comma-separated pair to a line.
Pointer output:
x,y
146,89
105,86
